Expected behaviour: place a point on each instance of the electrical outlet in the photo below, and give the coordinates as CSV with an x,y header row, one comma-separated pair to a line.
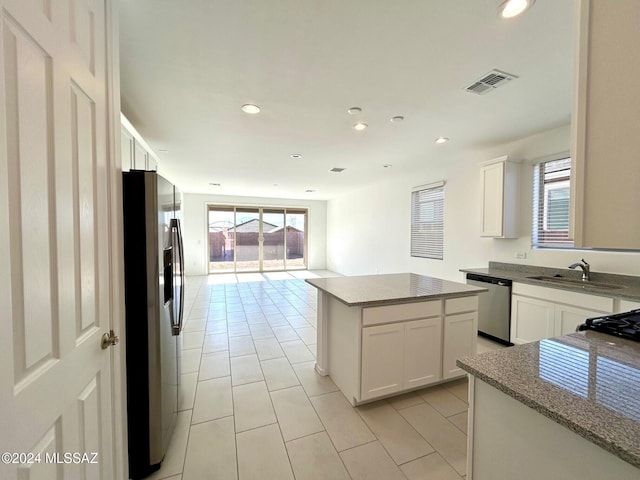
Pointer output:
x,y
520,255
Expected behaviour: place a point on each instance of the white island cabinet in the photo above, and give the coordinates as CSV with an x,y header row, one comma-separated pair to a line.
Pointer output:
x,y
562,408
379,335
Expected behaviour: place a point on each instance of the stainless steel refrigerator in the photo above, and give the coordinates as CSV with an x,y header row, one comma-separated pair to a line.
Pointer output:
x,y
154,296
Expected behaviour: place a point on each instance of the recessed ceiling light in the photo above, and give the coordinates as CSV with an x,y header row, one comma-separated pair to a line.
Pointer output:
x,y
513,8
337,169
388,165
296,155
354,110
309,191
162,150
360,126
250,108
397,118
215,185
441,140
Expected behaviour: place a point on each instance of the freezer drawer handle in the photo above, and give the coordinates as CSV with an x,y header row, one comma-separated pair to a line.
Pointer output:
x,y
109,340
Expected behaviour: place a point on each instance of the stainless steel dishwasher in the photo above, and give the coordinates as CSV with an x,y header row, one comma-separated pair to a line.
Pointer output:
x,y
494,307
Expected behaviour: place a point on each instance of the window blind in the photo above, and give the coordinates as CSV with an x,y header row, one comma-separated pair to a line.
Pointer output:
x,y
551,202
427,221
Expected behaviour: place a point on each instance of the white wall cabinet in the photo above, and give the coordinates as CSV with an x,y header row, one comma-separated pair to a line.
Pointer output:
x,y
606,126
539,312
499,198
126,149
139,157
135,153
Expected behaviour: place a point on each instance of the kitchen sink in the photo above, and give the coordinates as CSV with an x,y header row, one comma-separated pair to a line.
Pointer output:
x,y
577,283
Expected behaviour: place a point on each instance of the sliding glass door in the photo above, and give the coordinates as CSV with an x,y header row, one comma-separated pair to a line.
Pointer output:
x,y
256,239
273,239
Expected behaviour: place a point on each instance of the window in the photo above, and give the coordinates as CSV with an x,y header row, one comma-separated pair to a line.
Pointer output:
x,y
551,203
427,221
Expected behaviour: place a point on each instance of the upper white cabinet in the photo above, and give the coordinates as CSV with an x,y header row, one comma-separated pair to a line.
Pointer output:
x,y
126,149
134,151
606,126
139,157
499,198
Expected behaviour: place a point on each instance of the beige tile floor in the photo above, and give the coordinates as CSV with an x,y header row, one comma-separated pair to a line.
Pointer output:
x,y
253,407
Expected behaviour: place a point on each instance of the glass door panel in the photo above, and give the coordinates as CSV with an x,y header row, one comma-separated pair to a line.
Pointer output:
x,y
254,239
273,234
296,224
247,240
221,239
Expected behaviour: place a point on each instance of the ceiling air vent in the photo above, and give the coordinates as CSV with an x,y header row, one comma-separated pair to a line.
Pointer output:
x,y
337,169
489,81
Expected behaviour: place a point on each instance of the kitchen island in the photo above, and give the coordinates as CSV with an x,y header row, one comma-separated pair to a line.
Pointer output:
x,y
565,407
380,335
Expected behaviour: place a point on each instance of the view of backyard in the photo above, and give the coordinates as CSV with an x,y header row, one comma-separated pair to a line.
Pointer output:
x,y
256,239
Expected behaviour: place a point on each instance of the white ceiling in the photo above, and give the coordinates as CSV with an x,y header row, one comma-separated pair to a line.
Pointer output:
x,y
187,66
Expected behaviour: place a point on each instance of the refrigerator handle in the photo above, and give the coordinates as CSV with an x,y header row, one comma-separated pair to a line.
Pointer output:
x,y
177,323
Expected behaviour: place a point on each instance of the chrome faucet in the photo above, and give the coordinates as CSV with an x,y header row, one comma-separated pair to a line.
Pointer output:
x,y
586,272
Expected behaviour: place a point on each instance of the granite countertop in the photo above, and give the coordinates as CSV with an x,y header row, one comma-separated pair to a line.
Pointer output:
x,y
588,382
392,288
630,286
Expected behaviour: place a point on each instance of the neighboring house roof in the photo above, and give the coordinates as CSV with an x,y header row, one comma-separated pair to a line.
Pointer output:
x,y
289,229
253,226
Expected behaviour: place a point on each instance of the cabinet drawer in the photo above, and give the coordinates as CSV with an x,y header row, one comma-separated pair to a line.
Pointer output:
x,y
402,312
459,305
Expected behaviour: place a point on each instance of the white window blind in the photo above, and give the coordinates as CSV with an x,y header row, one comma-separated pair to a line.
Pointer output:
x,y
427,221
551,203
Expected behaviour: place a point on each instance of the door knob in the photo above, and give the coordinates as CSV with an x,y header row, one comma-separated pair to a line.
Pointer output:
x,y
109,340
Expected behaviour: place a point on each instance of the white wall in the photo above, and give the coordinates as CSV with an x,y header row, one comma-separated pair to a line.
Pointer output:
x,y
195,227
368,230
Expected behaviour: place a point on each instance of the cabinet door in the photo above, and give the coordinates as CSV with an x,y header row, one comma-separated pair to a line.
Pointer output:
x,y
382,360
139,157
568,318
422,352
126,149
492,199
626,305
459,340
531,319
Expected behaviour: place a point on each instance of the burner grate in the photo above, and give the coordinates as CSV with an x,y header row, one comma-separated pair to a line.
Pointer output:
x,y
625,325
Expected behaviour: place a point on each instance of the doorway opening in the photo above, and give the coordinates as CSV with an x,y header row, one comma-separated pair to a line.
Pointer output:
x,y
256,239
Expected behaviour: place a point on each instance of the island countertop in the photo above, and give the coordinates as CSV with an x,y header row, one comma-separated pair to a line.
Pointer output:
x,y
588,382
368,290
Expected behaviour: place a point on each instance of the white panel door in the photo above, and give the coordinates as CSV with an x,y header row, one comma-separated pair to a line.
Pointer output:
x,y
422,355
382,360
55,235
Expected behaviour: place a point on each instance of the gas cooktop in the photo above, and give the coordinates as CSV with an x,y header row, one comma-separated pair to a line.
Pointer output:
x,y
625,325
